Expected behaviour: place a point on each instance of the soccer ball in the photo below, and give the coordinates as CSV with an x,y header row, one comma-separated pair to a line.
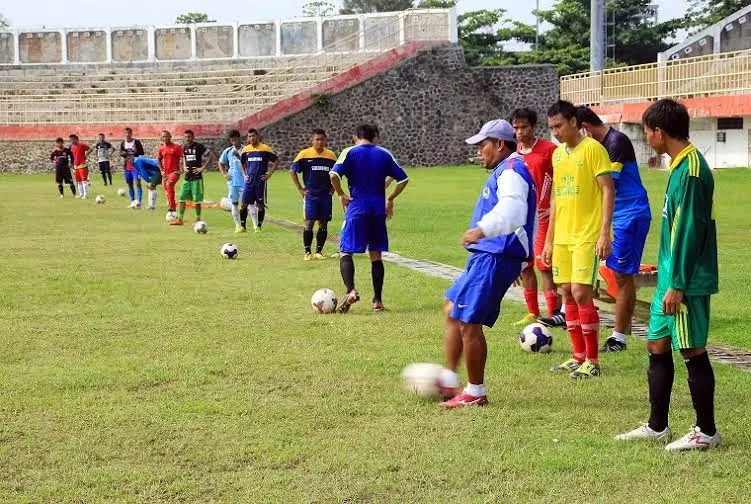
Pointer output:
x,y
200,227
422,378
99,199
324,301
226,204
536,338
171,216
122,192
229,251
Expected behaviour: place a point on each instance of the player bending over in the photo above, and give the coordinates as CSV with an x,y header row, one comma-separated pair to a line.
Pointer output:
x,y
500,242
130,149
686,278
315,163
168,156
148,171
366,166
232,171
80,163
62,158
197,159
256,158
579,233
538,156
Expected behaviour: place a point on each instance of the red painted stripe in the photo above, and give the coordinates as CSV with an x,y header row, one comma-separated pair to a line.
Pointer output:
x,y
714,106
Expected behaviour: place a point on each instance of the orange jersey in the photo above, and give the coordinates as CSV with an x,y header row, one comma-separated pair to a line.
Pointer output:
x,y
79,154
539,161
170,156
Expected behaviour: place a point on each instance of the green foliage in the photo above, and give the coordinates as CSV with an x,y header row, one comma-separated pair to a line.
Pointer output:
x,y
365,6
318,8
321,99
4,23
437,4
193,17
478,36
703,13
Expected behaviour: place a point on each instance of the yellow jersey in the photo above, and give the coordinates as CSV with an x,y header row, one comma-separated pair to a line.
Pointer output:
x,y
578,196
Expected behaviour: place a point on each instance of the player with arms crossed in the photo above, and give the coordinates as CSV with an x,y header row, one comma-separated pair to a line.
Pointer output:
x,y
104,152
130,149
256,158
579,233
631,218
366,166
500,242
232,171
315,163
538,156
80,164
62,158
197,159
168,156
686,278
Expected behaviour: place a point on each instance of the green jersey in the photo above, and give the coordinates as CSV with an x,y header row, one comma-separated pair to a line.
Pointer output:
x,y
687,259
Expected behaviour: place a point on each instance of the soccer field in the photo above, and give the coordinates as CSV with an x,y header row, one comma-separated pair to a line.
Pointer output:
x,y
137,365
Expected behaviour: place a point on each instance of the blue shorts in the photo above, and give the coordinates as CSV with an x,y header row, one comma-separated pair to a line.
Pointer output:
x,y
479,290
629,238
317,207
234,193
131,176
364,232
254,193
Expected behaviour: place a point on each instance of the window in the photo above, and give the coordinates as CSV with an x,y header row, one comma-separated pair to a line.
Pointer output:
x,y
729,123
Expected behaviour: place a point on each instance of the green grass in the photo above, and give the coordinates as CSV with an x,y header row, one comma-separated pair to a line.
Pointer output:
x,y
139,366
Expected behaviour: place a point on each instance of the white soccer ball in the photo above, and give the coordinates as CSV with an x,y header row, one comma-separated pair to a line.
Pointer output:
x,y
536,338
171,216
200,227
229,251
324,301
99,199
122,192
226,204
422,378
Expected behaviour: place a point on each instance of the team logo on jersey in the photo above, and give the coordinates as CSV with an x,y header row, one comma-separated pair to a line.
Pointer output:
x,y
485,193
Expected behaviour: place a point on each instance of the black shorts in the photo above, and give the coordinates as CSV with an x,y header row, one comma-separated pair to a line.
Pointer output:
x,y
104,166
62,174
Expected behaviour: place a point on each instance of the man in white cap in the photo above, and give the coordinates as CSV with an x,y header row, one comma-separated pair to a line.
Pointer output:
x,y
500,242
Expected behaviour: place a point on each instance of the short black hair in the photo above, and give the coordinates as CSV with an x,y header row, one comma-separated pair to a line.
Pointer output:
x,y
59,140
668,115
253,130
100,134
318,132
587,115
563,107
367,132
510,144
234,134
189,132
524,113
129,130
72,136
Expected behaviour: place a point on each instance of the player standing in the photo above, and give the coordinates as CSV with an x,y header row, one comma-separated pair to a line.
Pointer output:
x,y
686,278
256,158
80,163
131,148
538,156
500,242
366,167
168,156
62,158
232,171
315,163
579,233
197,159
104,152
148,171
631,219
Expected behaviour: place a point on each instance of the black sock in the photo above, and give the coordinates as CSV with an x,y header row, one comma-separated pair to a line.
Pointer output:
x,y
261,215
701,383
347,268
376,269
104,177
660,378
73,188
321,236
243,217
60,189
109,176
307,239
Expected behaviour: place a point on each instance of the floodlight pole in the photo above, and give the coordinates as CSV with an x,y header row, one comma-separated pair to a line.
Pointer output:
x,y
597,36
537,27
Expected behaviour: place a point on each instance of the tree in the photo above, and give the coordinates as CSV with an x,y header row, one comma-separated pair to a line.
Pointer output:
x,y
3,22
365,6
478,36
194,17
317,8
703,13
437,4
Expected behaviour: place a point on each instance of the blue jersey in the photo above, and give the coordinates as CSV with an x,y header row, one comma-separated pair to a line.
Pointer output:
x,y
631,201
256,161
515,244
234,166
315,168
366,168
145,164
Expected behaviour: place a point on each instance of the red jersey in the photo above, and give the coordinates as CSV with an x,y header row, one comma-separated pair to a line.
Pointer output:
x,y
79,154
170,156
539,160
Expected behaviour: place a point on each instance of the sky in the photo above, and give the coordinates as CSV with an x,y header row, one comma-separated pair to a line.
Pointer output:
x,y
93,13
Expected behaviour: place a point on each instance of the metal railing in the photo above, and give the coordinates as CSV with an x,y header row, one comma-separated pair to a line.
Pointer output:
x,y
711,75
177,97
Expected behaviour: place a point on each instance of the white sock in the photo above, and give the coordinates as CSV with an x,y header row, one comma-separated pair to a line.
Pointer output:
x,y
253,211
563,308
448,378
236,215
86,189
79,186
475,390
152,198
619,337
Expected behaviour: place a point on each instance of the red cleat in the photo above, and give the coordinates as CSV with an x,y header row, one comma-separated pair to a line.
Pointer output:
x,y
350,299
377,306
176,223
447,393
464,399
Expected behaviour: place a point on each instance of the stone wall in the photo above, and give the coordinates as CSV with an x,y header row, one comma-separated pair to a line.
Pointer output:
x,y
425,107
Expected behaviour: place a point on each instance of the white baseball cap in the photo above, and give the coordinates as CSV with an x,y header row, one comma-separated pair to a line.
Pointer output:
x,y
497,129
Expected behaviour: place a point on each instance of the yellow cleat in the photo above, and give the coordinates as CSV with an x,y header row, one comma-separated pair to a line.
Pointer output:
x,y
526,320
319,256
308,257
240,229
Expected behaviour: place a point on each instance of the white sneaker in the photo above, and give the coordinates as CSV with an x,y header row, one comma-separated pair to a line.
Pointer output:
x,y
645,433
152,207
695,440
61,197
78,196
84,197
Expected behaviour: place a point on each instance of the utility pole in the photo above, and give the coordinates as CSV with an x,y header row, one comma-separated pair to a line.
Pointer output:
x,y
537,28
597,36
